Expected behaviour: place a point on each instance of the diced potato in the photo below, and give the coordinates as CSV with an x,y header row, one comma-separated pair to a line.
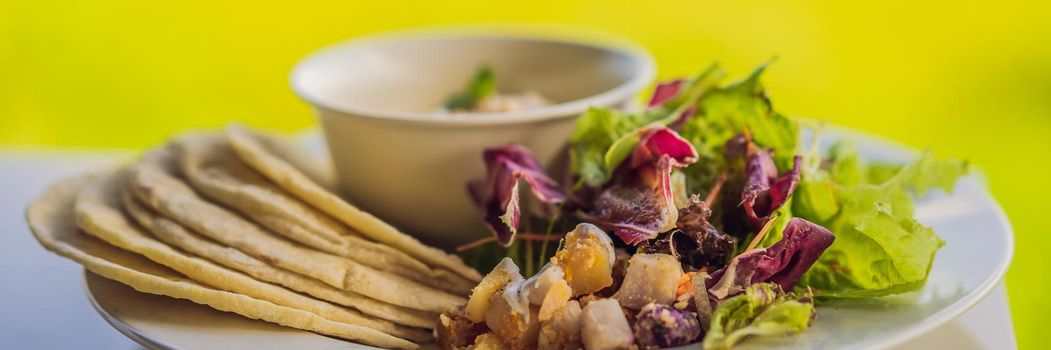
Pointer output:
x,y
488,341
651,278
562,330
495,281
549,290
455,332
604,327
587,259
515,329
541,284
584,300
557,297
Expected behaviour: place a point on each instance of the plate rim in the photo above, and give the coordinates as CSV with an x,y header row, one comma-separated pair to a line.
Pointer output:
x,y
124,328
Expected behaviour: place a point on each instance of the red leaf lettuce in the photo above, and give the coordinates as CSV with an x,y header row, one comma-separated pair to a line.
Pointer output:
x,y
500,206
639,203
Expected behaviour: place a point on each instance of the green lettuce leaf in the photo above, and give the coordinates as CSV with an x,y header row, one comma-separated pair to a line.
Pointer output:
x,y
596,132
781,217
880,249
929,173
620,151
725,112
815,198
605,137
482,85
762,310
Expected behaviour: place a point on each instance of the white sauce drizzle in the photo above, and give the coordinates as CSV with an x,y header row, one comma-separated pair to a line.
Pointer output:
x,y
517,291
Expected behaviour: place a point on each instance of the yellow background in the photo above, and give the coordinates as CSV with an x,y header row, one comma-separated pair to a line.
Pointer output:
x,y
968,79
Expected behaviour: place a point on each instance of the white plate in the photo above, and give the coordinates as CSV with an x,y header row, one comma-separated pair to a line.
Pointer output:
x,y
979,245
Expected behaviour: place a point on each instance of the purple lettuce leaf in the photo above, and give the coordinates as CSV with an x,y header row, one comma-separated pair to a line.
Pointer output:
x,y
659,141
640,204
640,211
706,246
499,198
682,118
736,148
764,191
695,241
783,263
665,91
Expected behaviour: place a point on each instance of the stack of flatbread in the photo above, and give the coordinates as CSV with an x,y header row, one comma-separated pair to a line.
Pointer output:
x,y
244,223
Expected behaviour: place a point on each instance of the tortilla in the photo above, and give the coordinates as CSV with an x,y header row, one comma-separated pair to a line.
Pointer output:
x,y
260,154
160,191
176,235
51,219
315,166
211,167
98,213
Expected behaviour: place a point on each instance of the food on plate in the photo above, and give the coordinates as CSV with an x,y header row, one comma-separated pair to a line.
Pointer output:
x,y
661,326
154,182
455,331
870,210
650,278
159,190
603,326
499,198
695,241
269,158
488,341
657,304
514,321
98,212
587,259
762,310
194,220
562,329
697,293
722,224
210,165
700,217
51,218
493,283
177,236
577,317
480,95
550,290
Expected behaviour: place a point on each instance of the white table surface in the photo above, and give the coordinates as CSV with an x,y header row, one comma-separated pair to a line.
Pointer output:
x,y
44,306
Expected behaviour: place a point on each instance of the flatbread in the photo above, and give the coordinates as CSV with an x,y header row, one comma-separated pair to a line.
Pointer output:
x,y
258,153
176,235
212,168
51,219
98,213
156,188
316,167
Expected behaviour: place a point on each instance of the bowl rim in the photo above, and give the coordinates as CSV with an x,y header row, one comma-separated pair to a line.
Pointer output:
x,y
642,61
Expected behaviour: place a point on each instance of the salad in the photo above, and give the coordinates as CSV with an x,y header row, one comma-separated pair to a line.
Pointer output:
x,y
699,218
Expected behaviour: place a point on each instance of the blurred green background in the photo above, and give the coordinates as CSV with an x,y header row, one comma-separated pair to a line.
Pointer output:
x,y
967,79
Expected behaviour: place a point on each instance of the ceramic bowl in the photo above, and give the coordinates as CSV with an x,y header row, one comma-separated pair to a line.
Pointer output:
x,y
400,157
